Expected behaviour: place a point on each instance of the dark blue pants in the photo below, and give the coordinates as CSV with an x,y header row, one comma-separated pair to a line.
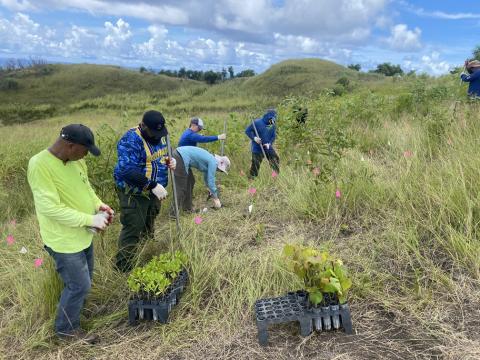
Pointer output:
x,y
76,271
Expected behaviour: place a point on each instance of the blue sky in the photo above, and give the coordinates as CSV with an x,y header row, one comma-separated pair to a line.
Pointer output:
x,y
426,36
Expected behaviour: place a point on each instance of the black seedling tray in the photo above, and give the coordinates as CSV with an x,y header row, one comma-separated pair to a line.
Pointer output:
x,y
142,308
295,307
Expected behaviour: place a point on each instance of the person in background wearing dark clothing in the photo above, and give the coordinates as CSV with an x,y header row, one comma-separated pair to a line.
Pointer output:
x,y
473,77
141,176
266,128
191,136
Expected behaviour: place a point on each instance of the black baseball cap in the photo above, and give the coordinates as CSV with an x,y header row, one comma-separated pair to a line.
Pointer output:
x,y
80,134
155,121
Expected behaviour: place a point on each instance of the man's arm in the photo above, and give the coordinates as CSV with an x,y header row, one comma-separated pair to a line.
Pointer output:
x,y
202,138
470,78
94,196
209,178
47,200
250,132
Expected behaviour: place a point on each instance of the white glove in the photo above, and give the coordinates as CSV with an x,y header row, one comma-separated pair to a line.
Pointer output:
x,y
100,221
257,140
222,136
216,203
267,145
160,192
172,164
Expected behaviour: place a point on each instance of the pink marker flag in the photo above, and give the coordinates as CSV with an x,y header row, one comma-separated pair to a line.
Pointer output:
x,y
198,220
252,191
407,154
10,239
316,171
274,174
38,262
338,194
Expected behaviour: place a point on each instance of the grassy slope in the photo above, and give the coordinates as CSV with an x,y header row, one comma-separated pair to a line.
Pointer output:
x,y
68,84
410,238
301,76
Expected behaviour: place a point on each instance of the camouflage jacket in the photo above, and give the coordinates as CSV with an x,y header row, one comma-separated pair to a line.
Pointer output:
x,y
140,165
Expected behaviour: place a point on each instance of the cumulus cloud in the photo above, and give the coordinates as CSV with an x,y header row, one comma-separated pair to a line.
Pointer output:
x,y
345,20
403,39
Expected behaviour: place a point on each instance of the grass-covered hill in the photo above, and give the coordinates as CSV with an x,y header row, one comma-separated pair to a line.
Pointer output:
x,y
59,84
301,76
47,90
44,90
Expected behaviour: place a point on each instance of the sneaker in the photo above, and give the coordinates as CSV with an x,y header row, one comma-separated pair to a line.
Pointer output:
x,y
79,335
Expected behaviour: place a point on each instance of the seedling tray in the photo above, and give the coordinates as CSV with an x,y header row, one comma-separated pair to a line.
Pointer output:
x,y
143,308
295,307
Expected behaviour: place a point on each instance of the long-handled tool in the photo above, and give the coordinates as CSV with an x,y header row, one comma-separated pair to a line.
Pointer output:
x,y
261,145
222,146
174,186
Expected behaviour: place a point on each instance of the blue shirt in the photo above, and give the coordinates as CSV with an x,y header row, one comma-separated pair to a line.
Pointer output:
x,y
191,138
474,80
266,132
140,165
202,160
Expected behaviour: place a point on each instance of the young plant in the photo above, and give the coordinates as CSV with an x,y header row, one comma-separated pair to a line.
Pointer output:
x,y
320,273
153,279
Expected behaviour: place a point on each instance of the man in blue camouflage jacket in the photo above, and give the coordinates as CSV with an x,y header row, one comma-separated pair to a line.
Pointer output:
x,y
141,176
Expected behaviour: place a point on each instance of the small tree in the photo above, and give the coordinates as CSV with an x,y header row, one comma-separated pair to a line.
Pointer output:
x,y
230,71
143,69
355,67
211,77
388,69
246,73
224,74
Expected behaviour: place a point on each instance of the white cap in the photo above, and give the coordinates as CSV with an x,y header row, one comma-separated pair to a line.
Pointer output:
x,y
223,163
197,121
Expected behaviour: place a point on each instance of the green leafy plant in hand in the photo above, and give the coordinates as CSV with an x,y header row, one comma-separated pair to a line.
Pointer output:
x,y
321,273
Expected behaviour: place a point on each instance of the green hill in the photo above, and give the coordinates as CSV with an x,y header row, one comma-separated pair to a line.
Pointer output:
x,y
301,76
42,91
65,84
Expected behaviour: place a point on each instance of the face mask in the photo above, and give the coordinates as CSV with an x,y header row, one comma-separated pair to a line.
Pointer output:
x,y
154,140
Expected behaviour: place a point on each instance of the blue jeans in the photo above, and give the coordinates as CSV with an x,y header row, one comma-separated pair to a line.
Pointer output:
x,y
76,271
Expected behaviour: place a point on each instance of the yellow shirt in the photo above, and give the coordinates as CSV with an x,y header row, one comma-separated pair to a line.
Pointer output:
x,y
64,201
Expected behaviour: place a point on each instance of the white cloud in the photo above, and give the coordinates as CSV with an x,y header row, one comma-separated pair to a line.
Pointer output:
x,y
118,35
403,39
17,5
243,20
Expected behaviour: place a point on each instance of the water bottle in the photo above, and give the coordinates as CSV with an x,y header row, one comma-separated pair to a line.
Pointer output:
x,y
93,229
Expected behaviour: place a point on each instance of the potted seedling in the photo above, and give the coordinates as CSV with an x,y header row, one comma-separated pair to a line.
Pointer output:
x,y
326,282
156,286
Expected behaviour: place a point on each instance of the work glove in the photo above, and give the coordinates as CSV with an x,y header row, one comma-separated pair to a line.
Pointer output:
x,y
107,209
171,163
222,136
100,220
160,192
216,203
257,140
267,146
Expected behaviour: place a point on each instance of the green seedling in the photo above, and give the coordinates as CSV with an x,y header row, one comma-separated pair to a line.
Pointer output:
x,y
320,272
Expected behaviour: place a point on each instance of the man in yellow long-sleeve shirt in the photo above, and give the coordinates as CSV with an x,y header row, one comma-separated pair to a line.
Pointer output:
x,y
67,208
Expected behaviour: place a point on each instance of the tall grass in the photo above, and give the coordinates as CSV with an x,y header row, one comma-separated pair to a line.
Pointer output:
x,y
405,224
